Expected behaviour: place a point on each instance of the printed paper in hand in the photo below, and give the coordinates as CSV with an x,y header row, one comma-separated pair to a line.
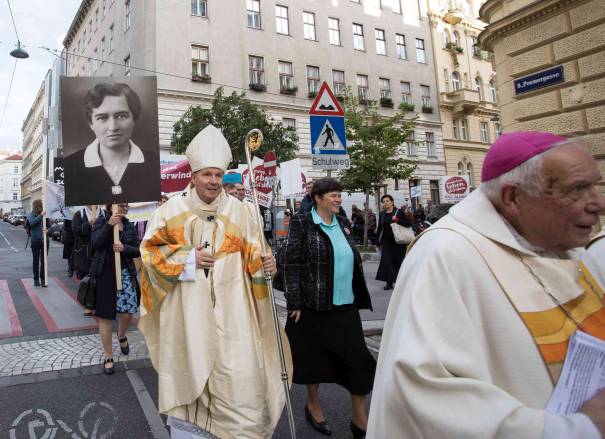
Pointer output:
x,y
583,374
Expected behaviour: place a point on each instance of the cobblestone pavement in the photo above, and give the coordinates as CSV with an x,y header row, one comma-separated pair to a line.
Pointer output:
x,y
63,353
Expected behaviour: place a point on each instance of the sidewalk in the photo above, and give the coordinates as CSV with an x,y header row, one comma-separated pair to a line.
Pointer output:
x,y
40,359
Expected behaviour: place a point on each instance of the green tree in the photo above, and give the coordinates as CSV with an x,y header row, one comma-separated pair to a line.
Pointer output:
x,y
376,145
235,115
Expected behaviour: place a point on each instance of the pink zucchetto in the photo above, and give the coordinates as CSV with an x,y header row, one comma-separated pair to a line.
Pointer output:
x,y
512,149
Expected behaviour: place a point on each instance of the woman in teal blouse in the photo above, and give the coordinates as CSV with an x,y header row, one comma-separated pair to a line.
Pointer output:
x,y
323,281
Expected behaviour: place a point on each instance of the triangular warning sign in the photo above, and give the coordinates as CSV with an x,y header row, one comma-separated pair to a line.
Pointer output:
x,y
326,104
327,140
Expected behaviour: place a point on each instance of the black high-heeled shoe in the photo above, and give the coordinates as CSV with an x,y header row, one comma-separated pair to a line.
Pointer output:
x,y
125,349
358,433
108,370
322,426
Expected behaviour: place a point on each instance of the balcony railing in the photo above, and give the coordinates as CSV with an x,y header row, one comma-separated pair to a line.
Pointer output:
x,y
464,100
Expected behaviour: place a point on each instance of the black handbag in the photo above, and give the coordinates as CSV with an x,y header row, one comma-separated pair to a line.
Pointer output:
x,y
87,292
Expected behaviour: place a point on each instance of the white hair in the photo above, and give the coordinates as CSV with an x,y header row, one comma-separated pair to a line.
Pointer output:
x,y
529,175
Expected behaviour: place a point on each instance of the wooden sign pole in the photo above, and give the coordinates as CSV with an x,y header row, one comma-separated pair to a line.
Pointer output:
x,y
116,239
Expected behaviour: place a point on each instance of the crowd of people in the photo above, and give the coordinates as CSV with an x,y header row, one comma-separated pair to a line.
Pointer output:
x,y
484,302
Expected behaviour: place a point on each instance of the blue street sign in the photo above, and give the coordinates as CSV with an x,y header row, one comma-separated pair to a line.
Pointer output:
x,y
328,135
538,80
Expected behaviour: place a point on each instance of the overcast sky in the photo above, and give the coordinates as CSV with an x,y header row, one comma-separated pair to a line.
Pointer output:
x,y
39,23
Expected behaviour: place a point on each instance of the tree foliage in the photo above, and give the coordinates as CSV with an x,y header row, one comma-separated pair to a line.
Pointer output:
x,y
376,145
235,115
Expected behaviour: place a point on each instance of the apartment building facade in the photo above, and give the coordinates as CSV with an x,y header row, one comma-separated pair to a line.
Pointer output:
x,y
10,184
34,142
278,52
466,84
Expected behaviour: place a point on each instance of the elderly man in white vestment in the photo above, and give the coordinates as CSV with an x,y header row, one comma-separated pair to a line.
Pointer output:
x,y
205,312
485,303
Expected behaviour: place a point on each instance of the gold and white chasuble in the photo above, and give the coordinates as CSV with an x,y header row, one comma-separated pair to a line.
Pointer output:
x,y
473,344
211,340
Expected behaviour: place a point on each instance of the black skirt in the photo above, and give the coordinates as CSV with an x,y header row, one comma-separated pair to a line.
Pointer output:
x,y
329,347
391,257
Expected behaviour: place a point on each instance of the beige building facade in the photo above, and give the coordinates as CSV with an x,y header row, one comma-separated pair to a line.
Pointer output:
x,y
33,130
466,84
278,52
531,37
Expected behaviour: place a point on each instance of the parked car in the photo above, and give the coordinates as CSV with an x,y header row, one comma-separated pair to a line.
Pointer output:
x,y
56,230
5,217
18,220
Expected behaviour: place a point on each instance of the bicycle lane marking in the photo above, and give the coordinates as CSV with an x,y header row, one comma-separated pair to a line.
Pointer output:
x,y
10,326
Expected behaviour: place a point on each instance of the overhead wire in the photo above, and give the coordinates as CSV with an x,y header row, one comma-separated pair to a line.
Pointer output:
x,y
10,86
13,19
157,72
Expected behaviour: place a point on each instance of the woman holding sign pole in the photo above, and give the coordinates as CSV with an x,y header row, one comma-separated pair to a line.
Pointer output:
x,y
109,302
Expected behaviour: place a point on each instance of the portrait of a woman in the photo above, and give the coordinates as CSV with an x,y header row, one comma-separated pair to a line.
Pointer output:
x,y
112,168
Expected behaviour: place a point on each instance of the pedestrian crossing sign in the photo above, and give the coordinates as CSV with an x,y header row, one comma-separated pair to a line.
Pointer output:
x,y
328,135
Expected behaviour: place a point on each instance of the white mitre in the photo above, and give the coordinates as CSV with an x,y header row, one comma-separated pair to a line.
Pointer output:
x,y
209,149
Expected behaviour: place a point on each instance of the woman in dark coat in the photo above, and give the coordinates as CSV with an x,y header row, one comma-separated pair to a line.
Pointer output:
x,y
323,280
81,225
391,253
67,236
125,302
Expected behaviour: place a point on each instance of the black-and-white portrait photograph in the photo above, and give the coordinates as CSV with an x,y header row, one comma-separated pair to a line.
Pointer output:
x,y
111,151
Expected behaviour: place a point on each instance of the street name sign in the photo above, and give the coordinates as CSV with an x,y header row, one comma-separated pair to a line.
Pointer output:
x,y
538,80
328,134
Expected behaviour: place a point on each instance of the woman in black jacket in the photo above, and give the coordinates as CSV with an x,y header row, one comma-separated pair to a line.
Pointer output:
x,y
111,302
391,253
324,285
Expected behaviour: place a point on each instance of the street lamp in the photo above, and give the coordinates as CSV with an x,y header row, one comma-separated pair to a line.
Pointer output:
x,y
19,52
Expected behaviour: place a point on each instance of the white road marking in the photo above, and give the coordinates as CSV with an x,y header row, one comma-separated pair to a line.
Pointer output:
x,y
8,242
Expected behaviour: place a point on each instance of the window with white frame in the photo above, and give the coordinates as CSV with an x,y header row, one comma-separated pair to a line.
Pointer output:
x,y
199,61
492,90
385,88
362,88
446,80
15,197
479,87
381,44
406,92
412,145
253,11
463,128
313,79
16,170
256,69
483,132
420,53
400,46
429,140
281,20
15,182
460,168
455,132
456,38
286,75
334,31
358,43
455,81
476,47
309,26
338,82
446,38
102,50
425,95
110,47
397,6
497,129
469,172
288,122
127,66
127,14
199,8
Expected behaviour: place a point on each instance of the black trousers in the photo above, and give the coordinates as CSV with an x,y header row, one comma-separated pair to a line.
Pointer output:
x,y
38,260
